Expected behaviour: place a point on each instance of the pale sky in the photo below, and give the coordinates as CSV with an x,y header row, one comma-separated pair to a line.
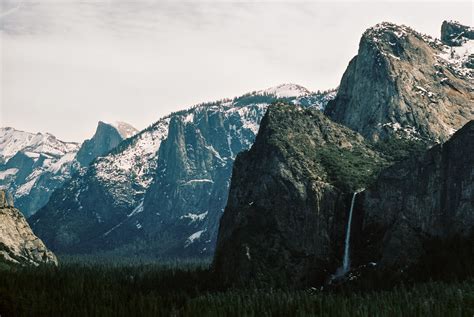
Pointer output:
x,y
67,64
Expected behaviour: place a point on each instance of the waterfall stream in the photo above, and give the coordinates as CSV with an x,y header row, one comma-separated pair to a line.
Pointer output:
x,y
346,263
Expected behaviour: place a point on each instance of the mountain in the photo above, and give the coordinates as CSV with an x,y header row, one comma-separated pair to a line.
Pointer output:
x,y
405,83
106,137
285,215
162,191
455,34
302,185
18,244
419,202
32,166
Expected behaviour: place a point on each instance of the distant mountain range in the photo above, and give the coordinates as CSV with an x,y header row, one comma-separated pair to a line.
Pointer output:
x,y
161,192
33,165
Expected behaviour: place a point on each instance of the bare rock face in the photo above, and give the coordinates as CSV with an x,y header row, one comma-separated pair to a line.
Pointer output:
x,y
107,136
406,84
18,244
421,199
286,212
454,33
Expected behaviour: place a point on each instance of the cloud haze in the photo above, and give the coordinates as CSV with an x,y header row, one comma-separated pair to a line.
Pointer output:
x,y
66,65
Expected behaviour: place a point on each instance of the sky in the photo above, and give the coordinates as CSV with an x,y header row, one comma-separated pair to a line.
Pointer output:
x,y
67,64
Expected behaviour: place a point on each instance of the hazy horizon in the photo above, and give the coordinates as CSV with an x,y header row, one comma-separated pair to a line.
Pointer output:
x,y
67,65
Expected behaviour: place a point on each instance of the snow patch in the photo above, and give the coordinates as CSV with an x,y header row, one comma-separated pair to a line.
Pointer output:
x,y
194,237
458,56
9,172
202,180
195,217
285,91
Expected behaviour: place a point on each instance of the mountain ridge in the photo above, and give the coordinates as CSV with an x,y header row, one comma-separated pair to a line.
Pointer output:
x,y
215,133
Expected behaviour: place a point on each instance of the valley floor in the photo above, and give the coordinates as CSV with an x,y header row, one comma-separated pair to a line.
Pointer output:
x,y
177,289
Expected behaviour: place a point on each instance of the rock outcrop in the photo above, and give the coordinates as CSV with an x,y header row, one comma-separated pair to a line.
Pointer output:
x,y
107,136
18,244
406,84
417,200
455,34
285,217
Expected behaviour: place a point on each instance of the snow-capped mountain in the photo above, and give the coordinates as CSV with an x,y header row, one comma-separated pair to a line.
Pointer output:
x,y
124,129
13,141
425,85
33,165
286,91
167,185
106,137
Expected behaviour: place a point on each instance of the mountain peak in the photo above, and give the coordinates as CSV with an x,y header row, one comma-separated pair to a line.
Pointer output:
x,y
13,141
454,33
285,91
405,83
386,27
106,137
124,129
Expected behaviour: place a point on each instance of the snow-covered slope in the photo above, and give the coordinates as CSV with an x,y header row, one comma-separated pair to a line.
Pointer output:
x,y
174,175
33,165
460,58
13,141
124,129
106,137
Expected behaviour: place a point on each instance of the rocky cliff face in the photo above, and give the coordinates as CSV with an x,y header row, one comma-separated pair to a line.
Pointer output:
x,y
455,34
161,192
285,216
106,137
287,211
18,244
420,199
406,84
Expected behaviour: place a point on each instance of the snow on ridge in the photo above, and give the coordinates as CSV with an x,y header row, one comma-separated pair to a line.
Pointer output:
x,y
13,141
457,57
125,130
400,31
138,159
285,91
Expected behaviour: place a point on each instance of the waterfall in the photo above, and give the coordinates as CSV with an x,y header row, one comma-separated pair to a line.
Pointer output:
x,y
347,261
